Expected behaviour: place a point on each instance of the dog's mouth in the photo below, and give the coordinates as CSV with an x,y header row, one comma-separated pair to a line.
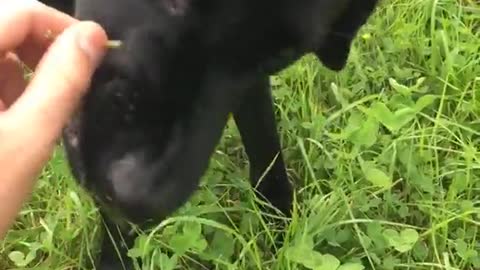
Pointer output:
x,y
132,162
71,142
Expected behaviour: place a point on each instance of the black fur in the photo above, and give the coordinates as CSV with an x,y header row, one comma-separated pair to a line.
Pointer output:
x,y
158,105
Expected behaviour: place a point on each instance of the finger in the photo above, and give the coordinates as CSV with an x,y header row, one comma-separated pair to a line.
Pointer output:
x,y
24,28
12,81
61,79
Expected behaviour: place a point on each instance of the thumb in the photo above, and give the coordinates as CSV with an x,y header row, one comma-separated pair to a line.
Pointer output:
x,y
61,79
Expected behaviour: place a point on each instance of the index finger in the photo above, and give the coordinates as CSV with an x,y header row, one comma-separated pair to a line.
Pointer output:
x,y
24,26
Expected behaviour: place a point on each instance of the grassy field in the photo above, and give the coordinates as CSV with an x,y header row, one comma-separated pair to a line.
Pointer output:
x,y
384,155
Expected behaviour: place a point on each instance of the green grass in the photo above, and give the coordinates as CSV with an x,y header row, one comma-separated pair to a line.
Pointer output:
x,y
384,155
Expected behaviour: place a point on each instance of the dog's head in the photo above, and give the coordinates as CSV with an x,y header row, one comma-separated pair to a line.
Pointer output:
x,y
158,104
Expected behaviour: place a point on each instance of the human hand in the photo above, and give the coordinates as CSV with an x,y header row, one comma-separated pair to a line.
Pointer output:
x,y
33,114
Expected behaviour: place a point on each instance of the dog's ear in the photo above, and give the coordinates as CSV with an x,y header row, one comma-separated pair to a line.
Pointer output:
x,y
335,49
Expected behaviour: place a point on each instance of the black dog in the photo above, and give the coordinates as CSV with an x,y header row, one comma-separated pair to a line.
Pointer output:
x,y
158,104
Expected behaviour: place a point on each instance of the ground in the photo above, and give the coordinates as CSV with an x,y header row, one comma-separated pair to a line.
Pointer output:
x,y
384,156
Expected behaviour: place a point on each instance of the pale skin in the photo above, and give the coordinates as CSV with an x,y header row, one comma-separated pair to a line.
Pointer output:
x,y
33,114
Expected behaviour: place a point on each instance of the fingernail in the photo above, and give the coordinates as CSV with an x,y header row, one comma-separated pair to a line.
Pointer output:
x,y
92,43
